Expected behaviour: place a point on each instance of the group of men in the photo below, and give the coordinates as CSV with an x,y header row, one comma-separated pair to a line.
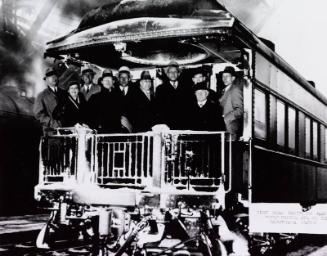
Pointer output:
x,y
119,105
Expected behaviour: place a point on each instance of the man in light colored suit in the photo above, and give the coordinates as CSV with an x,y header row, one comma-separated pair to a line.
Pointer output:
x,y
47,100
88,87
232,103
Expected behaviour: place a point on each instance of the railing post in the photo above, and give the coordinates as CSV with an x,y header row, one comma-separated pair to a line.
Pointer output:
x,y
83,167
157,152
41,165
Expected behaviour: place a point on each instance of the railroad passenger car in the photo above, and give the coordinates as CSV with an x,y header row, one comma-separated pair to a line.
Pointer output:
x,y
275,174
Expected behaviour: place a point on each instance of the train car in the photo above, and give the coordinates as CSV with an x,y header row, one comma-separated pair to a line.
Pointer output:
x,y
19,138
256,190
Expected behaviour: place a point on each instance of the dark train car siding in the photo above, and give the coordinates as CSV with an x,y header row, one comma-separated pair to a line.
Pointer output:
x,y
19,142
288,169
283,179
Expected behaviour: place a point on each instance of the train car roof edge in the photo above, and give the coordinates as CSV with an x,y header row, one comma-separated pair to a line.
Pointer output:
x,y
275,58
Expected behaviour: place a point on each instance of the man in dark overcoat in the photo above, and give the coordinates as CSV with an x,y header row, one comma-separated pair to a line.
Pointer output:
x,y
206,114
105,109
174,100
143,109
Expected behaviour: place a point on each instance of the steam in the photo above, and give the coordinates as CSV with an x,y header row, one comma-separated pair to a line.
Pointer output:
x,y
253,13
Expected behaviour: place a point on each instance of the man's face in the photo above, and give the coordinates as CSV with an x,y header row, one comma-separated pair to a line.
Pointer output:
x,y
87,77
201,95
124,79
145,84
228,79
198,78
108,82
52,80
173,73
73,91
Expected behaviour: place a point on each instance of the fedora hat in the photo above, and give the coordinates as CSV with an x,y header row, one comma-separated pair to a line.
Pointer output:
x,y
230,70
73,82
107,72
49,72
87,70
124,69
201,86
145,75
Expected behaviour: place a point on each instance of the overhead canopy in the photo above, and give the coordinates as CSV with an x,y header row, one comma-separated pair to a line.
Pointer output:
x,y
152,33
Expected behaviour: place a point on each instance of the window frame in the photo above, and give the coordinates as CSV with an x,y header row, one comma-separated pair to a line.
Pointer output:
x,y
267,110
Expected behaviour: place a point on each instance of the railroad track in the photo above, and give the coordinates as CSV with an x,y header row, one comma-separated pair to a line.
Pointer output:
x,y
61,248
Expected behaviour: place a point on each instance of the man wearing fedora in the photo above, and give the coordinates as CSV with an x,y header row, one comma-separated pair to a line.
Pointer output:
x,y
88,87
232,103
206,114
105,109
126,90
199,76
47,100
143,109
174,100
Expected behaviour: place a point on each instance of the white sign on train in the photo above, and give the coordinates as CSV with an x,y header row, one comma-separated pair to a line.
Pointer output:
x,y
287,218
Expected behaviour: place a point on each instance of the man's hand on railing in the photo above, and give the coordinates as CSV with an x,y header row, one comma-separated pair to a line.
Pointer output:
x,y
126,124
78,125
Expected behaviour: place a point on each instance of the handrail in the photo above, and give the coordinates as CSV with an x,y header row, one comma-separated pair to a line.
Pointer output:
x,y
175,158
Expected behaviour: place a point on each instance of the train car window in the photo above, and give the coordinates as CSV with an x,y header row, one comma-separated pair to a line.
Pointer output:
x,y
260,114
280,123
291,129
315,139
307,137
262,69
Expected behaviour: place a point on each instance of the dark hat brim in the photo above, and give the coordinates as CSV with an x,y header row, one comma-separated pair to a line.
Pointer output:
x,y
51,73
88,71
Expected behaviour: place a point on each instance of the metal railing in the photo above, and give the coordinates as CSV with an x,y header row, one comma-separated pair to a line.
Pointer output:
x,y
188,160
124,160
194,159
58,157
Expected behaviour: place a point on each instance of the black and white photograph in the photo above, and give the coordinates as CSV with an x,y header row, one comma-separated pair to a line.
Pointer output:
x,y
163,128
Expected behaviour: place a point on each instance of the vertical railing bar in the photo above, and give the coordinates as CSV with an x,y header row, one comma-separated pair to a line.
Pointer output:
x,y
208,157
124,160
181,170
64,154
103,146
75,156
130,160
136,159
142,158
96,158
203,154
222,141
230,163
111,152
148,155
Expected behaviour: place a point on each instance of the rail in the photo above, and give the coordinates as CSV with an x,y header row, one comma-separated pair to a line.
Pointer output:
x,y
183,160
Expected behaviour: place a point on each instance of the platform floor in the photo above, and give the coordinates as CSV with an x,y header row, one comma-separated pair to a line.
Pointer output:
x,y
15,224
